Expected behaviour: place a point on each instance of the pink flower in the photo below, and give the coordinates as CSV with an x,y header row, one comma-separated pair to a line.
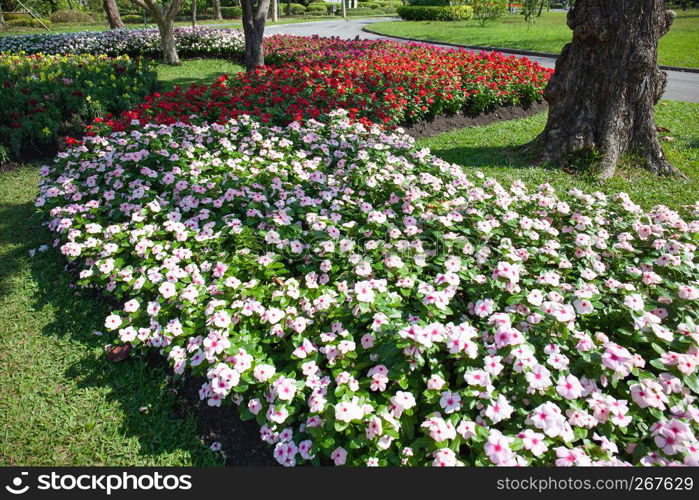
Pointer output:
x,y
450,402
499,410
339,456
364,292
112,322
569,387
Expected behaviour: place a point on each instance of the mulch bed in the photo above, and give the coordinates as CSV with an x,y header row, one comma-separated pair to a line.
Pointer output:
x,y
447,123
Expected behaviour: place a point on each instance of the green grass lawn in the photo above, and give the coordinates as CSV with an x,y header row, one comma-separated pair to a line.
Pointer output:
x,y
63,403
195,71
491,149
547,34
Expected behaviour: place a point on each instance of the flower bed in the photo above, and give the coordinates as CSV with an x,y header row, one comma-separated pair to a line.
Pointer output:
x,y
43,95
191,42
370,304
382,82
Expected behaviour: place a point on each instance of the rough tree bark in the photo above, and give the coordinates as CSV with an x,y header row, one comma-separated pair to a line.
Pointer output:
x,y
606,82
164,17
217,9
254,17
111,10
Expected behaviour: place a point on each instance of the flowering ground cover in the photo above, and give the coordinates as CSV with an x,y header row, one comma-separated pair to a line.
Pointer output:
x,y
44,96
384,82
199,41
371,304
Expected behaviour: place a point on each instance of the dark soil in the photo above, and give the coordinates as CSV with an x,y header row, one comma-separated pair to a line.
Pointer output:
x,y
446,123
240,440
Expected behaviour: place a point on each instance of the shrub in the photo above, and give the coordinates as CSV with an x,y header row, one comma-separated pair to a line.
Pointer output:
x,y
369,304
486,11
134,19
364,12
12,16
71,16
318,6
441,3
429,13
200,17
191,42
43,95
28,22
232,12
296,9
369,5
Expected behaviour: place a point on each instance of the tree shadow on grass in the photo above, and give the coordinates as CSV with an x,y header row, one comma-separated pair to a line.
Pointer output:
x,y
158,411
486,156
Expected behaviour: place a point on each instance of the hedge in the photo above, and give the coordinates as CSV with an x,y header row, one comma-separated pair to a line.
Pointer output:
x,y
364,12
71,16
231,12
28,22
435,13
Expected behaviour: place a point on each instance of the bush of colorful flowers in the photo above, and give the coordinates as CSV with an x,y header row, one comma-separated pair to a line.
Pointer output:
x,y
370,304
198,41
43,96
385,82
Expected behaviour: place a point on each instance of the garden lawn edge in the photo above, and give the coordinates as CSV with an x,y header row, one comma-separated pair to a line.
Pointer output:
x,y
448,122
520,52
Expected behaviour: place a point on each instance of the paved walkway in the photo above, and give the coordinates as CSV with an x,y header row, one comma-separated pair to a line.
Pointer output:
x,y
681,86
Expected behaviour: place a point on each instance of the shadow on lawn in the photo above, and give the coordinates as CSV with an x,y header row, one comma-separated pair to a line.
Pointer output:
x,y
162,416
186,82
483,156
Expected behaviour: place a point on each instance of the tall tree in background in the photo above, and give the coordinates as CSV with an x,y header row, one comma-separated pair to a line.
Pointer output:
x,y
217,9
111,10
606,82
254,18
164,17
194,13
275,10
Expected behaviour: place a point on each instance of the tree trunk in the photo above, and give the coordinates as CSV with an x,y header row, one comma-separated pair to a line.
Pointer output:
x,y
344,9
606,82
194,13
165,19
2,19
111,10
167,39
541,7
217,9
70,5
288,7
254,17
275,11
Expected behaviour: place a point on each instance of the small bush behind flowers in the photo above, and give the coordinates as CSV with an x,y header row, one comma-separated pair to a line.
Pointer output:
x,y
370,304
